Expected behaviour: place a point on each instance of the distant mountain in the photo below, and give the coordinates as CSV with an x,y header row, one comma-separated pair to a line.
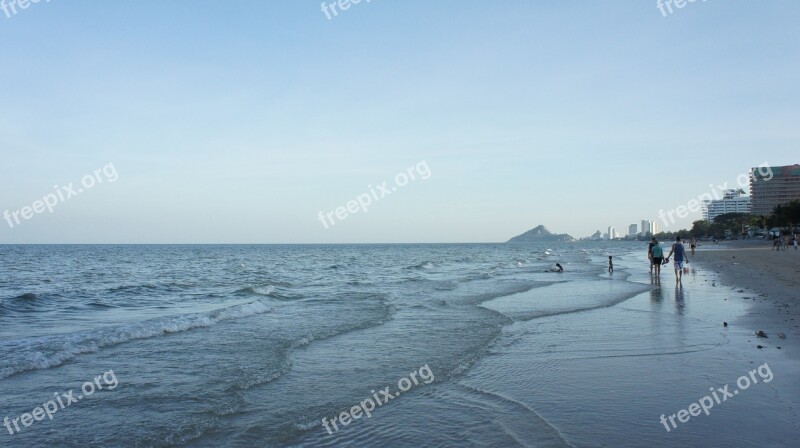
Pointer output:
x,y
540,234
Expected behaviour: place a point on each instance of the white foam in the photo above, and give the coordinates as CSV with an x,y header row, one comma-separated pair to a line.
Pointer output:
x,y
263,290
51,351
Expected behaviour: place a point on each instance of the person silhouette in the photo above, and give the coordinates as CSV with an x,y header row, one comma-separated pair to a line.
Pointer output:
x,y
680,259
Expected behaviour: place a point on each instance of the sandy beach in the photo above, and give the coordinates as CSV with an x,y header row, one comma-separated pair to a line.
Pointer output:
x,y
771,277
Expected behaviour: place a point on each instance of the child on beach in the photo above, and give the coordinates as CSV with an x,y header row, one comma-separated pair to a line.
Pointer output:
x,y
610,264
680,259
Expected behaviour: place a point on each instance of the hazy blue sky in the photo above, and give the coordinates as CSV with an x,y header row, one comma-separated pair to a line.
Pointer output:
x,y
239,121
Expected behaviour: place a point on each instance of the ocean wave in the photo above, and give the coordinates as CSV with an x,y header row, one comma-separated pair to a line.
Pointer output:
x,y
27,302
505,290
265,290
270,291
132,288
248,381
27,296
50,351
565,298
150,288
102,305
424,266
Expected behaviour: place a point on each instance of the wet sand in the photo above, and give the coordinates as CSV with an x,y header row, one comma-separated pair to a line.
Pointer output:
x,y
773,280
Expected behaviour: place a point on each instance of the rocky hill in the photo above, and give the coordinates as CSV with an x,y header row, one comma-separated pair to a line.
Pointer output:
x,y
540,234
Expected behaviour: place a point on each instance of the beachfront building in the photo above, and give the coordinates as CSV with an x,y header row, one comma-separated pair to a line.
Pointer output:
x,y
647,227
633,229
612,233
733,201
773,186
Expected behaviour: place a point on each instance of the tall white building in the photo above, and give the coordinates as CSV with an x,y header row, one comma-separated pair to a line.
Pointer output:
x,y
733,201
650,227
647,227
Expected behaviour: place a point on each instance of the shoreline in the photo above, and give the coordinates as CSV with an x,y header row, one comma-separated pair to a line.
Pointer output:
x,y
772,280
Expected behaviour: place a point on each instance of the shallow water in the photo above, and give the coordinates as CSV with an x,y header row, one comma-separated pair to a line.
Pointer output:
x,y
255,345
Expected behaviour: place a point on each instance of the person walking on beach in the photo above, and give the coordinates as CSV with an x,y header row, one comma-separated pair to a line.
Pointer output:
x,y
610,265
658,257
653,242
693,245
680,259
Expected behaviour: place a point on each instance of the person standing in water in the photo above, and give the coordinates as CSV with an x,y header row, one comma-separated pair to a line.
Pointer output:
x,y
693,244
653,242
680,259
610,265
658,257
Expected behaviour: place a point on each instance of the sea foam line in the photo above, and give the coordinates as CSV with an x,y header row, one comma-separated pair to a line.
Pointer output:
x,y
50,351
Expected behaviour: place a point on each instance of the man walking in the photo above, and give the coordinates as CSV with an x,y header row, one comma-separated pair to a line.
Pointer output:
x,y
680,259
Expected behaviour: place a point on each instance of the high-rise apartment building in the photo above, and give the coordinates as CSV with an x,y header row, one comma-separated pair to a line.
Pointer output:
x,y
733,201
773,186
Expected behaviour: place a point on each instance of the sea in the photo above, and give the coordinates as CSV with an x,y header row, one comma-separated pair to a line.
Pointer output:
x,y
443,345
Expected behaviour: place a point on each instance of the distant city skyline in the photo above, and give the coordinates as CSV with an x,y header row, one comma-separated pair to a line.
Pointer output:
x,y
263,122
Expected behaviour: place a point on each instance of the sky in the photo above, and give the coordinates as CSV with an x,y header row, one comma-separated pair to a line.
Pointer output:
x,y
389,122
